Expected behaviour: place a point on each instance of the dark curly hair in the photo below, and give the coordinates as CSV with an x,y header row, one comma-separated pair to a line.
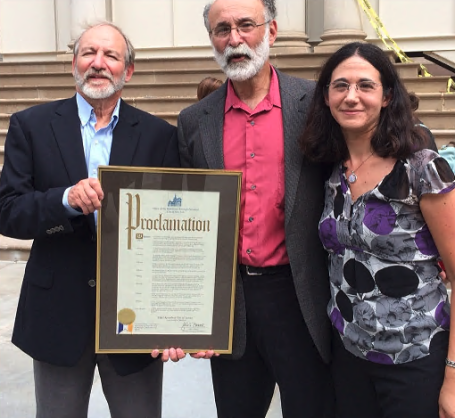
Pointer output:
x,y
395,135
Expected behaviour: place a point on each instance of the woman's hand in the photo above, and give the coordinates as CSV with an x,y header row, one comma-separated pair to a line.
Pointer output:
x,y
447,395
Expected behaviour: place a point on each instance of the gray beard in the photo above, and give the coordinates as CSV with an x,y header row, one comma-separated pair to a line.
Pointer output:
x,y
93,92
247,69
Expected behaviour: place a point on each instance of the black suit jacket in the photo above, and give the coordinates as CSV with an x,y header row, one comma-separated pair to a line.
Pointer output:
x,y
200,129
44,155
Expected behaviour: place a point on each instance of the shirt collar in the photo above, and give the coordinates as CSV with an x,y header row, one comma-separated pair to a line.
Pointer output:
x,y
85,110
273,96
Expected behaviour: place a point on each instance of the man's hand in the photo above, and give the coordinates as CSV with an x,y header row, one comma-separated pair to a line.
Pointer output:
x,y
174,354
86,195
205,354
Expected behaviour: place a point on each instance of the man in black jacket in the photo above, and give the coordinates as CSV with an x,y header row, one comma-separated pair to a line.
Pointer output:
x,y
49,192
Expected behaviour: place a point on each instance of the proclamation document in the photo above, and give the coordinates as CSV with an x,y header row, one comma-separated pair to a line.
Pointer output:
x,y
167,250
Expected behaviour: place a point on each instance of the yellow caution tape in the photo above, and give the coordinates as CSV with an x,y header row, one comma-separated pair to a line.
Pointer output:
x,y
451,86
384,35
391,44
425,72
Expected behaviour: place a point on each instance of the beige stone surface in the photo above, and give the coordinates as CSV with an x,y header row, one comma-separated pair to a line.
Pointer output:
x,y
13,249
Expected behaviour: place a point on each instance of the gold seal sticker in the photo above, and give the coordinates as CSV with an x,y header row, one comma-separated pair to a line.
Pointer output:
x,y
126,316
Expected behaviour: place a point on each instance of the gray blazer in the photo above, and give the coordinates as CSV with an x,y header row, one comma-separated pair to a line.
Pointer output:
x,y
200,135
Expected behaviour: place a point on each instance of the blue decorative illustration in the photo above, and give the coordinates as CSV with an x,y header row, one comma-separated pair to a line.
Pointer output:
x,y
175,202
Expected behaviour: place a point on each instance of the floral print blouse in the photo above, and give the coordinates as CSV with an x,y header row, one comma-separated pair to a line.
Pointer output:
x,y
388,301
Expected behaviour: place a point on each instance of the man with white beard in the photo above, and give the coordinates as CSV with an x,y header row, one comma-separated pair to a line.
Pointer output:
x,y
252,124
49,192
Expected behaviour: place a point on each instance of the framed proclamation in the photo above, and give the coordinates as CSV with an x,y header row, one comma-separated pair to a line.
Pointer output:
x,y
167,259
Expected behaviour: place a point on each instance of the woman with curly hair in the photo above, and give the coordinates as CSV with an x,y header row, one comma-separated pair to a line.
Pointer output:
x,y
389,214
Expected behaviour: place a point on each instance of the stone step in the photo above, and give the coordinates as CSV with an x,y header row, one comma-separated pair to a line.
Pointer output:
x,y
436,119
426,84
139,77
132,89
15,105
162,105
4,123
171,117
181,89
165,97
35,67
407,70
437,101
14,249
173,75
160,63
2,154
430,102
149,104
140,64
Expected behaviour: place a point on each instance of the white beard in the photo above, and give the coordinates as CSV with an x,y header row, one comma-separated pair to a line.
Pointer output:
x,y
98,92
248,68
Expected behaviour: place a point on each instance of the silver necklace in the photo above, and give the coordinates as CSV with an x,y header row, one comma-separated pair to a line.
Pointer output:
x,y
353,177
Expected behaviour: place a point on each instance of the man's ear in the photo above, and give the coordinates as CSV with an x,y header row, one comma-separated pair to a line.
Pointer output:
x,y
73,66
273,32
129,72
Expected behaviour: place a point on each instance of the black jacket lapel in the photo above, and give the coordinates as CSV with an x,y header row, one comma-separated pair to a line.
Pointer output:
x,y
125,138
67,131
293,112
211,128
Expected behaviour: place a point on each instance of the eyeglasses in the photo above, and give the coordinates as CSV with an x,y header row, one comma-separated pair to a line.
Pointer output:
x,y
243,29
361,86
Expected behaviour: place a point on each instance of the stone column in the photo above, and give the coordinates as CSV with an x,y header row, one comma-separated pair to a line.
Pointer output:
x,y
150,23
85,12
292,37
342,24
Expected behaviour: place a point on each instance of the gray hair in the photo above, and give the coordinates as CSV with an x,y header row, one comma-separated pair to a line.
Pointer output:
x,y
269,12
129,54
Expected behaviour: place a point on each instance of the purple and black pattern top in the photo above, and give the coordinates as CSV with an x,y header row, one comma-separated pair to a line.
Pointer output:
x,y
388,301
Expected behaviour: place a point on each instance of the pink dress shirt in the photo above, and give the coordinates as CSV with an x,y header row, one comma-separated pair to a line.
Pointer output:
x,y
253,142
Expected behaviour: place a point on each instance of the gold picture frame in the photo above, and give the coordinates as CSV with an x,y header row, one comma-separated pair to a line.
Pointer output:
x,y
166,259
